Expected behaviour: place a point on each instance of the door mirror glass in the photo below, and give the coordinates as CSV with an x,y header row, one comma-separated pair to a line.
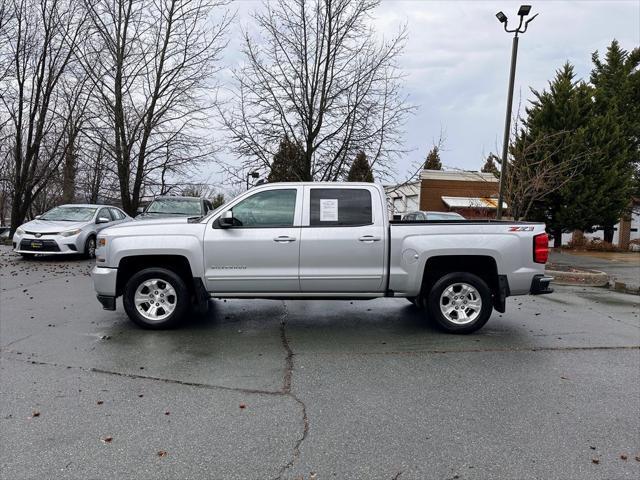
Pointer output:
x,y
102,220
226,219
37,217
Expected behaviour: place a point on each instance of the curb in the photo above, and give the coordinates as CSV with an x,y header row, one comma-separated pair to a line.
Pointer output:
x,y
591,278
624,288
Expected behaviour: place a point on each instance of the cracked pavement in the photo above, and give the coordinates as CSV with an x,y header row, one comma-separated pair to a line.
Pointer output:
x,y
313,389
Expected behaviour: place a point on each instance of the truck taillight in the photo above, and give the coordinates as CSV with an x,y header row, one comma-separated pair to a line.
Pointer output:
x,y
541,248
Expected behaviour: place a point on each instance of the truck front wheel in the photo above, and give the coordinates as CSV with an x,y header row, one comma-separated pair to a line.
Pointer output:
x,y
460,302
156,298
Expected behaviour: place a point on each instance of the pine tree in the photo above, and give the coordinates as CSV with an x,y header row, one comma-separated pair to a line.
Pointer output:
x,y
556,124
287,165
491,165
218,200
432,161
615,128
360,170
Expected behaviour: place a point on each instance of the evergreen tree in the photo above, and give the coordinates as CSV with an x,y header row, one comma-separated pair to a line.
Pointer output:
x,y
432,161
556,125
360,170
490,165
288,163
616,128
218,200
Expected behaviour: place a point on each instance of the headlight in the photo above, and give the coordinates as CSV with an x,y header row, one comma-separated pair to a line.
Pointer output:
x,y
19,231
102,241
70,233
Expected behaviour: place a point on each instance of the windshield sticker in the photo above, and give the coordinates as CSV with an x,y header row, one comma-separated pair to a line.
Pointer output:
x,y
328,209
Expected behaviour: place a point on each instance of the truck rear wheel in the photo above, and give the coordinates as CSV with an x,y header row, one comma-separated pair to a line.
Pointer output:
x,y
156,298
460,302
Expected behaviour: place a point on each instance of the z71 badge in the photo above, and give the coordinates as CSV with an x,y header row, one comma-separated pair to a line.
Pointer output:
x,y
521,229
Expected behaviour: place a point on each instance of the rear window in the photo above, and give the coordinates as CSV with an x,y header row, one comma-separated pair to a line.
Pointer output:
x,y
340,207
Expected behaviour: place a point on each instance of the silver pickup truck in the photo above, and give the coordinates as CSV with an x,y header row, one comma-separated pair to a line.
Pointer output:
x,y
318,240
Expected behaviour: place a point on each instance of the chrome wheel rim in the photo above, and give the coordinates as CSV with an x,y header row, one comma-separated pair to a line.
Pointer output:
x,y
460,303
155,299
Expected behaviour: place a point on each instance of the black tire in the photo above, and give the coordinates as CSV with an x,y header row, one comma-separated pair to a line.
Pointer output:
x,y
482,291
28,256
181,301
90,247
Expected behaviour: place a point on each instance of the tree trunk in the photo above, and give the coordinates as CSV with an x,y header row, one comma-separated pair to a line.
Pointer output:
x,y
69,175
608,233
557,238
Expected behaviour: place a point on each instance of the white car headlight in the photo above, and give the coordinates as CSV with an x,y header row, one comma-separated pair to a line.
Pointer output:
x,y
19,231
70,233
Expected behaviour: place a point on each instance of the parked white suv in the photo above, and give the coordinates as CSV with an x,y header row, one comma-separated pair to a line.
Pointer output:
x,y
318,240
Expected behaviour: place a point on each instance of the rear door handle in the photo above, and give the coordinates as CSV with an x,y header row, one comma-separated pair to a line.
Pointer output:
x,y
369,239
284,239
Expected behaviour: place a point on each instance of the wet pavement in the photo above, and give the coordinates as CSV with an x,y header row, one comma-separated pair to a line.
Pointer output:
x,y
313,389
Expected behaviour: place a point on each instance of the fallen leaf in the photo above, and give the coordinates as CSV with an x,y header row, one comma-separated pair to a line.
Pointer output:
x,y
595,460
107,439
563,378
242,405
162,453
35,413
166,413
592,448
99,402
623,457
637,458
141,395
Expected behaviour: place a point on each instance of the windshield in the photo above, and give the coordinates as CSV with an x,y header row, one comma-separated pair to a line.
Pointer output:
x,y
70,214
176,206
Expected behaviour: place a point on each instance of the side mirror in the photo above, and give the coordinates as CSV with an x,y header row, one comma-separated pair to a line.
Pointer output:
x,y
102,220
37,217
226,219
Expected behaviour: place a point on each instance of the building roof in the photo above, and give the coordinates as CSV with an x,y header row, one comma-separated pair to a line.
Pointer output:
x,y
460,175
472,202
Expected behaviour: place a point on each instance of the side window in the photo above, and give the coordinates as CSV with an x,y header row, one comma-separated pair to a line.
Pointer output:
x,y
104,212
115,214
271,208
340,207
420,216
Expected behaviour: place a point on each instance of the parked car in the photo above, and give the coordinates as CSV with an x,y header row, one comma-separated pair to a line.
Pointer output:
x,y
67,229
170,206
318,240
430,216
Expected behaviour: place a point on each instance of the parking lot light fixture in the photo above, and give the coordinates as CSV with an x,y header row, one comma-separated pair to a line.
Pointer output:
x,y
522,27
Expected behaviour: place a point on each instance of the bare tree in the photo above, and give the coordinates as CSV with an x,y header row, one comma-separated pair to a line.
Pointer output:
x,y
151,62
36,45
532,177
317,75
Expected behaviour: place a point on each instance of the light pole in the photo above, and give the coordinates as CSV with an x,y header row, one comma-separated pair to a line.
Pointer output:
x,y
522,12
253,174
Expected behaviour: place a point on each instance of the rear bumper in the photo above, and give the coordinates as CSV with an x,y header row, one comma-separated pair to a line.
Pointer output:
x,y
540,285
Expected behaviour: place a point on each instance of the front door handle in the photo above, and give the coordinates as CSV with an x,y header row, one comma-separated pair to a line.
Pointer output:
x,y
369,238
284,239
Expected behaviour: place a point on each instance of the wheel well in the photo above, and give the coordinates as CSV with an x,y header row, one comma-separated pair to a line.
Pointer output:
x,y
482,266
130,265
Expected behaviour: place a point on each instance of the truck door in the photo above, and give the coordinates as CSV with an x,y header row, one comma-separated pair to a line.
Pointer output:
x,y
260,253
343,240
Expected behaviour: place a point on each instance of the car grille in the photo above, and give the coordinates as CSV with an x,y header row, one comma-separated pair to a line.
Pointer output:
x,y
39,245
42,233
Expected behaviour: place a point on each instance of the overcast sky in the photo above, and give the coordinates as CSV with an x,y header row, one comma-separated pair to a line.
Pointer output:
x,y
457,59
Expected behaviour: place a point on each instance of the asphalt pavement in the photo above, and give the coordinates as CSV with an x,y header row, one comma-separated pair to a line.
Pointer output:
x,y
313,389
